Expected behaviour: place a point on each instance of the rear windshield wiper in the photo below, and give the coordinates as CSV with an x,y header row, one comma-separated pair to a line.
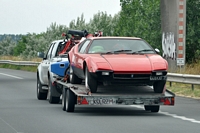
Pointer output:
x,y
117,51
144,50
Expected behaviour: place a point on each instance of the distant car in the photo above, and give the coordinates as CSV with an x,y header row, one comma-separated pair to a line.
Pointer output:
x,y
126,61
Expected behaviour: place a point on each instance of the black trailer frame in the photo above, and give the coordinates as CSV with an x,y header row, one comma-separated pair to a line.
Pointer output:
x,y
76,94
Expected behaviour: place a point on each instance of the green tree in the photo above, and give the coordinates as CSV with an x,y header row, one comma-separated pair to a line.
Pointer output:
x,y
7,46
192,31
140,18
101,21
78,24
20,47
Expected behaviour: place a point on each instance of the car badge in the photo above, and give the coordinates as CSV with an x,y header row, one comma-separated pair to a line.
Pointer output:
x,y
132,75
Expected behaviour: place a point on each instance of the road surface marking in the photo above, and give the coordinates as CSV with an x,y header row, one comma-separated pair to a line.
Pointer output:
x,y
180,117
11,76
10,126
172,115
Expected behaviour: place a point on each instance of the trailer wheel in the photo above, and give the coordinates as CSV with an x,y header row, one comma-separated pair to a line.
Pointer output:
x,y
147,107
155,108
64,98
73,78
90,82
52,99
159,86
70,101
41,94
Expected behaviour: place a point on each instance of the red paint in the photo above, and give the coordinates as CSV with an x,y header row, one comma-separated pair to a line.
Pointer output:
x,y
181,7
180,23
119,63
180,47
180,15
180,55
180,31
180,40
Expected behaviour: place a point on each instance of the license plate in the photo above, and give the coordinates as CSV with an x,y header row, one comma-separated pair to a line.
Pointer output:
x,y
158,78
102,101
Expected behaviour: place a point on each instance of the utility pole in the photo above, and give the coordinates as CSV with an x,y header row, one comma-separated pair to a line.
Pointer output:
x,y
173,26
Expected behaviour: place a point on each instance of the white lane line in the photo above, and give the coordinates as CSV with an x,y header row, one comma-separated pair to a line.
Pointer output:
x,y
172,115
180,117
11,76
10,126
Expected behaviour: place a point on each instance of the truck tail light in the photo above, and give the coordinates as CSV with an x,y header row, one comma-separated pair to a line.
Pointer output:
x,y
81,101
167,101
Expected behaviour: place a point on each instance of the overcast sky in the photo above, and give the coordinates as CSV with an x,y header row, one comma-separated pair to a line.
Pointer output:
x,y
34,16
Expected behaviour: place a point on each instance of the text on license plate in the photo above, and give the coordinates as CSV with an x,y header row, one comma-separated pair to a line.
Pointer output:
x,y
157,78
102,101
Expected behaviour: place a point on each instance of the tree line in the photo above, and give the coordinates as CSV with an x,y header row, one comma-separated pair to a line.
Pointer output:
x,y
138,18
12,36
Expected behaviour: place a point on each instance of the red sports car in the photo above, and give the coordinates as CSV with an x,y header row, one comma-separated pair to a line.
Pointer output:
x,y
126,61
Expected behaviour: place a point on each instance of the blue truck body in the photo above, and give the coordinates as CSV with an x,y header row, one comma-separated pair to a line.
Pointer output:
x,y
60,68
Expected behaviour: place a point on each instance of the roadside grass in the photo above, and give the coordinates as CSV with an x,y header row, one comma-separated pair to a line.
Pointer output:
x,y
190,69
185,90
17,67
179,89
19,58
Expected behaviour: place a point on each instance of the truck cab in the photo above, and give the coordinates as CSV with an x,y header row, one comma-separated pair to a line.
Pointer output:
x,y
45,88
57,52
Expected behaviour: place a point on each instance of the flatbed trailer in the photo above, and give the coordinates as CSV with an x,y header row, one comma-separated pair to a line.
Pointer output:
x,y
77,94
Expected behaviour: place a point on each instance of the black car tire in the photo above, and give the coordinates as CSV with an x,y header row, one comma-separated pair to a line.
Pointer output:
x,y
147,107
52,99
41,94
64,98
73,78
70,100
90,81
155,108
151,108
158,86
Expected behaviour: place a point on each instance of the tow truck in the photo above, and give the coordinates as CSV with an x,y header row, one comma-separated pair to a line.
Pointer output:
x,y
77,94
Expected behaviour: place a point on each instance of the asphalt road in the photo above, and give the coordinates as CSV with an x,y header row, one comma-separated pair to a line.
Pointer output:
x,y
21,112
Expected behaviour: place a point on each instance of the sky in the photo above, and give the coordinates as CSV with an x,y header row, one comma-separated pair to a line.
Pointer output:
x,y
35,16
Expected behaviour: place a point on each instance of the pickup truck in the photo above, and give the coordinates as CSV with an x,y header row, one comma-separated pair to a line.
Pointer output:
x,y
57,52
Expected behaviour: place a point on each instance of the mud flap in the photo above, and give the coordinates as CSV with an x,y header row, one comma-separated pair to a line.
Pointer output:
x,y
54,91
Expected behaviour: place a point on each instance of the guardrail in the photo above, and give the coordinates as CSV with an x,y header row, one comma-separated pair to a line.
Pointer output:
x,y
171,77
184,78
21,63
